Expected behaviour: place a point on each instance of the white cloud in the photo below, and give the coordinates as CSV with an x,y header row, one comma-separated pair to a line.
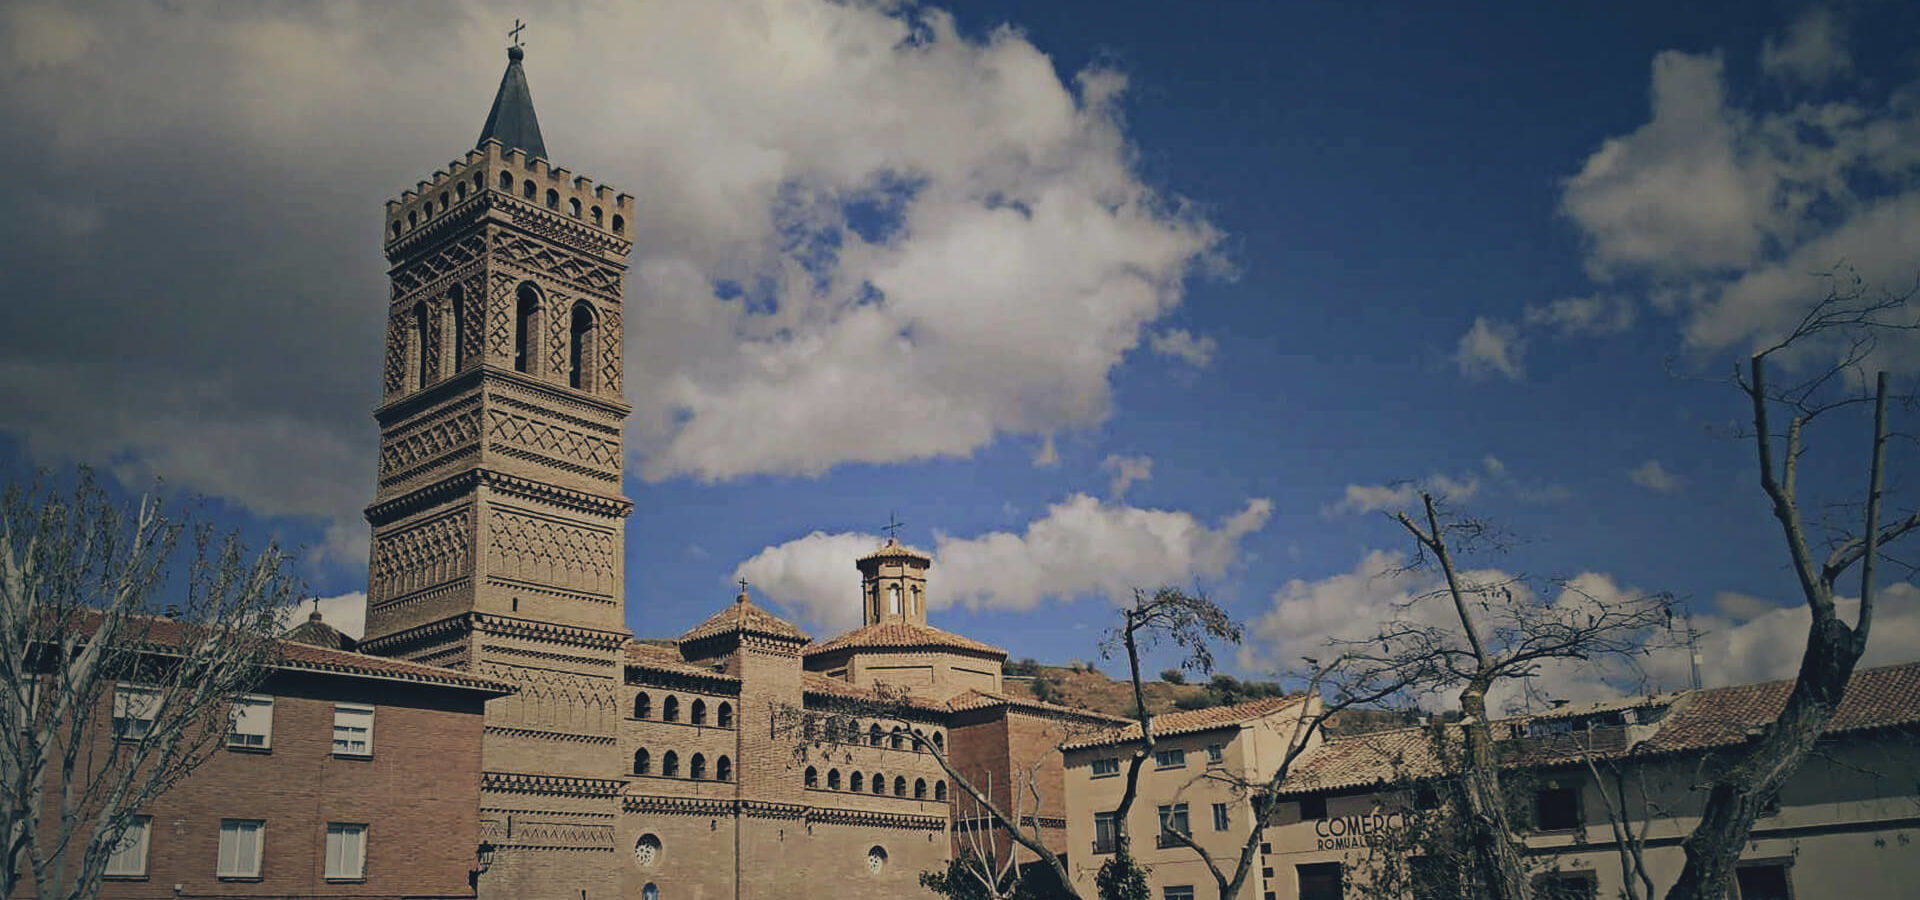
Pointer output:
x,y
1491,347
1655,477
1127,471
1366,498
1597,314
1751,640
345,613
1048,455
1015,259
1181,344
1726,213
1813,50
1081,547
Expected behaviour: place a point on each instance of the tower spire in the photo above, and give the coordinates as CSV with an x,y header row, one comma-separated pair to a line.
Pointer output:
x,y
511,121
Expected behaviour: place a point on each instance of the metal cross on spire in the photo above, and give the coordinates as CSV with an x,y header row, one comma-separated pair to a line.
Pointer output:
x,y
743,585
515,33
893,525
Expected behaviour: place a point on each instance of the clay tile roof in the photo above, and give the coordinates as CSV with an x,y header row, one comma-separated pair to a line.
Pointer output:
x,y
979,699
893,549
743,617
1696,721
317,633
822,685
667,659
905,635
1190,721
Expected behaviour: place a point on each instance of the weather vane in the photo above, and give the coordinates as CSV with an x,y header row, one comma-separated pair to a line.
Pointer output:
x,y
893,525
515,33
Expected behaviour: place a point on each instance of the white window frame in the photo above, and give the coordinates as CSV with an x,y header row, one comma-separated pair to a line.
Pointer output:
x,y
1216,754
346,851
247,708
229,862
124,709
1171,758
129,857
352,709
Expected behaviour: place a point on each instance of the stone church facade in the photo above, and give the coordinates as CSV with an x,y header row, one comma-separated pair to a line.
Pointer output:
x,y
625,767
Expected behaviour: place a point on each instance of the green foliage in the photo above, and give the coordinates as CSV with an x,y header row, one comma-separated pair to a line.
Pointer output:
x,y
1173,676
1025,666
1123,879
1045,690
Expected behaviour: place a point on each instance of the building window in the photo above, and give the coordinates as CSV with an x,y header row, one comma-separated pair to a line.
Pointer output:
x,y
642,762
352,729
670,766
573,207
698,768
724,717
456,336
1313,807
553,199
1425,797
346,851
939,742
528,190
642,705
698,715
579,346
650,892
670,710
420,362
646,852
506,181
129,859
939,790
619,225
874,736
1177,892
1216,753
876,861
596,215
1169,759
252,717
1173,820
1566,886
1219,817
1105,832
899,735
919,789
1764,881
134,709
879,783
240,845
526,322
857,783
1556,809
1106,766
723,769
1319,881
899,785
813,777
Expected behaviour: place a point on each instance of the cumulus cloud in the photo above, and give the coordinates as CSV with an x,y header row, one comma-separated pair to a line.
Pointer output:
x,y
1081,547
1127,471
1725,212
1743,639
1491,347
1185,346
1812,51
345,613
1655,477
1597,314
846,206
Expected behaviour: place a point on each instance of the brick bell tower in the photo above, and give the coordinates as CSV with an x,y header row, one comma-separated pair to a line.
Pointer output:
x,y
498,520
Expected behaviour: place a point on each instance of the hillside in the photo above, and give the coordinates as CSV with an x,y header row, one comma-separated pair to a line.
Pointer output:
x,y
1084,687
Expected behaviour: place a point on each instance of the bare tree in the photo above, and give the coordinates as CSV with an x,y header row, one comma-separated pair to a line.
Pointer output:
x,y
1852,320
982,869
116,673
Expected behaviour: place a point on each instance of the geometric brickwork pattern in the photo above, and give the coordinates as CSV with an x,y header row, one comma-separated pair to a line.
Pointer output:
x,y
500,312
549,552
554,701
554,440
419,557
608,340
547,259
434,267
403,452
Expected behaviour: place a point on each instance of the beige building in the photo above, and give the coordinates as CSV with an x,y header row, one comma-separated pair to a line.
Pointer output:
x,y
1206,764
1845,826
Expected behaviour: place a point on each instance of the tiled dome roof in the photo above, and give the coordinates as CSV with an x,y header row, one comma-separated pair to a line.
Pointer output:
x,y
743,617
903,635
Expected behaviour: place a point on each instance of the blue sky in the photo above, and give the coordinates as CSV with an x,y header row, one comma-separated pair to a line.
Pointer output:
x,y
1091,295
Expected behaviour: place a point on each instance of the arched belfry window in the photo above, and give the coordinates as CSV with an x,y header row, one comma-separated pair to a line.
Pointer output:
x,y
420,344
642,763
699,712
580,346
893,599
456,336
526,324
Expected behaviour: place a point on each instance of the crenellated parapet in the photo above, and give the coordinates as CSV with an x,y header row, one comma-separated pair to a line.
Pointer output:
x,y
493,177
